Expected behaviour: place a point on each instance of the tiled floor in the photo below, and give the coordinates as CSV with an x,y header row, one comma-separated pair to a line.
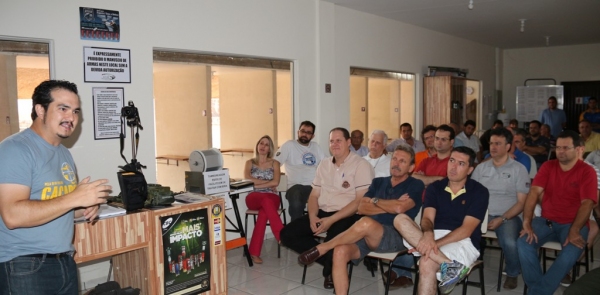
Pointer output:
x,y
283,275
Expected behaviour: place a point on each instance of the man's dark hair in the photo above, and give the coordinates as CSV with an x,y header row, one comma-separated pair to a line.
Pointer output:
x,y
520,132
408,149
406,125
586,121
536,122
466,151
498,122
343,130
503,132
445,127
41,94
592,98
577,140
469,123
427,129
552,98
309,124
514,121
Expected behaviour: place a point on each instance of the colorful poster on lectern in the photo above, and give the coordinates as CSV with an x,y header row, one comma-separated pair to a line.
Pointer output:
x,y
186,252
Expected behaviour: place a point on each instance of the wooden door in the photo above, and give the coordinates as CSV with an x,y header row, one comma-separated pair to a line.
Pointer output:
x,y
436,100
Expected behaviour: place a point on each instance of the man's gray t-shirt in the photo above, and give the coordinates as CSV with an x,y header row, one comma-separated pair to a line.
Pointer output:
x,y
27,159
503,183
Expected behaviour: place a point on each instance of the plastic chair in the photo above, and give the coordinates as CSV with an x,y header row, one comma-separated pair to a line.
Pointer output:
x,y
491,235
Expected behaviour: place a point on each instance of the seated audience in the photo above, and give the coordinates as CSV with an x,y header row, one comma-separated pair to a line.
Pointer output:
x,y
592,114
545,132
357,138
435,168
386,197
537,145
569,189
300,158
519,138
406,138
264,171
508,184
428,136
450,231
376,157
485,138
513,124
469,139
590,138
340,183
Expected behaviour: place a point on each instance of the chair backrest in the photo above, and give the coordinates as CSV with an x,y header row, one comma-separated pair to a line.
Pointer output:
x,y
282,187
418,217
484,224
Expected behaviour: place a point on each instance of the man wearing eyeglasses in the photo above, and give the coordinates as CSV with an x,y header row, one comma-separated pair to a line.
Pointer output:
x,y
386,197
300,158
428,136
508,184
435,168
569,190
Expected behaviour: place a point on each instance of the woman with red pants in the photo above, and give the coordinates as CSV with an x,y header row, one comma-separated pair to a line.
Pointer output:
x,y
264,171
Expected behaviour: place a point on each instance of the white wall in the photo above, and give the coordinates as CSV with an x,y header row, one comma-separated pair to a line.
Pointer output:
x,y
322,39
562,63
364,40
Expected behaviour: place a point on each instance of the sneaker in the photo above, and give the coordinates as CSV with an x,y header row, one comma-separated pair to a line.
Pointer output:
x,y
451,274
566,281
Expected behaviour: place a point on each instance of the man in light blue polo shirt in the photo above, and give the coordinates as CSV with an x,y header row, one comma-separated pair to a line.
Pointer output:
x,y
508,183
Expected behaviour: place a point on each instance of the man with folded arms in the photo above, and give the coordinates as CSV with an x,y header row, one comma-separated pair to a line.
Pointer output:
x,y
386,197
450,232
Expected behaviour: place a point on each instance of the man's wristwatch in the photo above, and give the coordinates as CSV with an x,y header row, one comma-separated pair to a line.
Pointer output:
x,y
504,219
375,200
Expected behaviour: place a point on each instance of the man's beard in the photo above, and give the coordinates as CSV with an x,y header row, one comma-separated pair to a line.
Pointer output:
x,y
303,140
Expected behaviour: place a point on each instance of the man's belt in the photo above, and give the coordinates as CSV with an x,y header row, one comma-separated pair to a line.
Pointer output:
x,y
50,255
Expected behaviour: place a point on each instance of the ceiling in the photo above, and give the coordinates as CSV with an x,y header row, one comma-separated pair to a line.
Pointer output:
x,y
495,22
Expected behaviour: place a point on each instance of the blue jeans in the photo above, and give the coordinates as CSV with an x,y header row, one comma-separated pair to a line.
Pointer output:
x,y
508,233
406,260
536,280
297,196
33,276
